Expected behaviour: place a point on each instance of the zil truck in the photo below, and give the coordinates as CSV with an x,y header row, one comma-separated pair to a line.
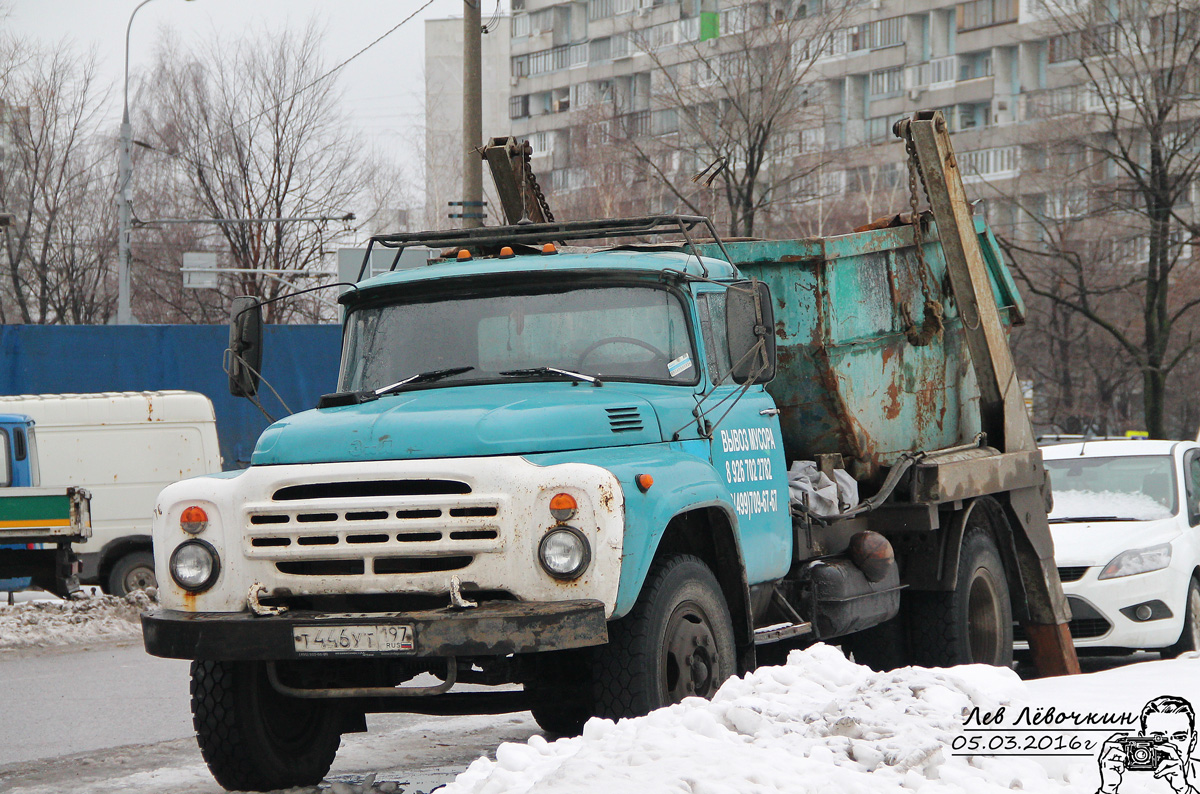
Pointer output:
x,y
563,471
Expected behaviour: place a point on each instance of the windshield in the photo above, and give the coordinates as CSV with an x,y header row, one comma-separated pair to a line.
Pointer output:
x,y
1137,488
613,332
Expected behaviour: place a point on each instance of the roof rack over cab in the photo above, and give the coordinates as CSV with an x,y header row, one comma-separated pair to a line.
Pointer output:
x,y
495,236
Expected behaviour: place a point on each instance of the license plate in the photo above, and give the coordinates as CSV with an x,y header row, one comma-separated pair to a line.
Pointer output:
x,y
353,639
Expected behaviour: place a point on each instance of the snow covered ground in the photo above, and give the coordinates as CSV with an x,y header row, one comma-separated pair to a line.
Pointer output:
x,y
818,723
823,723
48,621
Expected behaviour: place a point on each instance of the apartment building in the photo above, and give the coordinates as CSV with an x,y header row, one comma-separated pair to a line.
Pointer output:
x,y
1001,70
443,108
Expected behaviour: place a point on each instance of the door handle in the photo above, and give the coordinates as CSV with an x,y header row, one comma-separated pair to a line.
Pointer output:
x,y
769,412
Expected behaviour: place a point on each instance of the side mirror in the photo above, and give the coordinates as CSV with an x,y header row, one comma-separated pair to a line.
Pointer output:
x,y
244,356
749,320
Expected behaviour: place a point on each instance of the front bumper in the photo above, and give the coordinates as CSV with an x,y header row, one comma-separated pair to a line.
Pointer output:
x,y
491,629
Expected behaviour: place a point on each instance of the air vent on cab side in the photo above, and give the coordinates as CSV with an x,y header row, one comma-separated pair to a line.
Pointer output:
x,y
623,420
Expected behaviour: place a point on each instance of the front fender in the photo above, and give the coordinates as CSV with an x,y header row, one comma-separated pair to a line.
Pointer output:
x,y
682,481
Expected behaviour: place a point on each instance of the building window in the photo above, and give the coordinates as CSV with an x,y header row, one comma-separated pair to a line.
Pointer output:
x,y
887,32
886,82
600,9
601,50
541,21
982,13
520,25
518,107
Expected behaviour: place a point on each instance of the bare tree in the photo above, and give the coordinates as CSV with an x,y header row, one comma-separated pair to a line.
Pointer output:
x,y
732,109
252,130
1122,263
55,180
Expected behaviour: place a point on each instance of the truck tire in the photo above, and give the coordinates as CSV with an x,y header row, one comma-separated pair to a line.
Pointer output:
x,y
971,624
561,719
1189,638
676,642
134,571
253,738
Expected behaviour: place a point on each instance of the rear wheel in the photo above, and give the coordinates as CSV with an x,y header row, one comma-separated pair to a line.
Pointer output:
x,y
252,737
675,643
1189,638
971,624
134,571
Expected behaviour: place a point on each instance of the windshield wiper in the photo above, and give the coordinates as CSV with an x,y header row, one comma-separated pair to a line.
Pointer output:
x,y
424,377
341,398
1086,519
564,373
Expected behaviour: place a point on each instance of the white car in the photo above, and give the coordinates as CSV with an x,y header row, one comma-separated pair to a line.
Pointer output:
x,y
1126,527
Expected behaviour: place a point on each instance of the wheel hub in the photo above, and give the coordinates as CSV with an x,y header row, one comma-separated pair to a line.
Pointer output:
x,y
690,656
983,615
140,579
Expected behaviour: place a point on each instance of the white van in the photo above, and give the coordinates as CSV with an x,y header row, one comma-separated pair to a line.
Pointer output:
x,y
123,447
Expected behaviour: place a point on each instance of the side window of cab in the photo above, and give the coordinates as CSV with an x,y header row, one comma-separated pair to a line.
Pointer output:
x,y
711,308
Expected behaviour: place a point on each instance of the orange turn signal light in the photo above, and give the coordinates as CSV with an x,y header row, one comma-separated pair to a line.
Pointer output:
x,y
463,255
563,506
549,248
643,481
193,520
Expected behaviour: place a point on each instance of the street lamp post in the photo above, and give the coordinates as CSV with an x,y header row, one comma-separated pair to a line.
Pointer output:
x,y
124,174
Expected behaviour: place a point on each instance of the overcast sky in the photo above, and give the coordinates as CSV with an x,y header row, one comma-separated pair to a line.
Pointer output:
x,y
382,88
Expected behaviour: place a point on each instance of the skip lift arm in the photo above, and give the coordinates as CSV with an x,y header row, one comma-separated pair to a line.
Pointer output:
x,y
1002,405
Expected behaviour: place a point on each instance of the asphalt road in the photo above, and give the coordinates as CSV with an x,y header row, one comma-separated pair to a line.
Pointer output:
x,y
76,700
110,719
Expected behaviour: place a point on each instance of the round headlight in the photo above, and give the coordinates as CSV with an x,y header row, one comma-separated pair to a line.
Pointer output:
x,y
564,553
195,565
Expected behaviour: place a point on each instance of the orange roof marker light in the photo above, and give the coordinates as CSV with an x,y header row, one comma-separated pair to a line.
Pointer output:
x,y
549,248
506,252
463,255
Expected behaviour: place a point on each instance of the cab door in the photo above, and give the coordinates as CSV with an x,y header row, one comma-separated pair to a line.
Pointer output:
x,y
745,446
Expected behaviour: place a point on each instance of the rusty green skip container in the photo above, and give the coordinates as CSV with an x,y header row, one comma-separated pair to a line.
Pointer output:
x,y
848,379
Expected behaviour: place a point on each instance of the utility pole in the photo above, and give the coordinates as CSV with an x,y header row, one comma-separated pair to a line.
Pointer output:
x,y
472,115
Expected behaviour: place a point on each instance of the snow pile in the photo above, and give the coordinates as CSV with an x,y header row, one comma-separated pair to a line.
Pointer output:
x,y
820,723
1119,504
54,622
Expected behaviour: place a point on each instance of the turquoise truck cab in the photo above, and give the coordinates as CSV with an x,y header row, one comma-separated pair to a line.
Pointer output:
x,y
568,468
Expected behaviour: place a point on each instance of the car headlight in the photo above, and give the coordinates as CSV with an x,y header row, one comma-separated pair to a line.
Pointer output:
x,y
1127,563
195,565
564,552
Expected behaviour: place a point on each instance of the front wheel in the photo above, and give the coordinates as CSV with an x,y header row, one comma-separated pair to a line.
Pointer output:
x,y
1189,638
675,643
252,737
971,624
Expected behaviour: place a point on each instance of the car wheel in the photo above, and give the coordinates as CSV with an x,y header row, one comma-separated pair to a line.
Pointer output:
x,y
134,571
1189,638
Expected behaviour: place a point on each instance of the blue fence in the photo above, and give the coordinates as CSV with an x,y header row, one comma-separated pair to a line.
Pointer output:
x,y
300,361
